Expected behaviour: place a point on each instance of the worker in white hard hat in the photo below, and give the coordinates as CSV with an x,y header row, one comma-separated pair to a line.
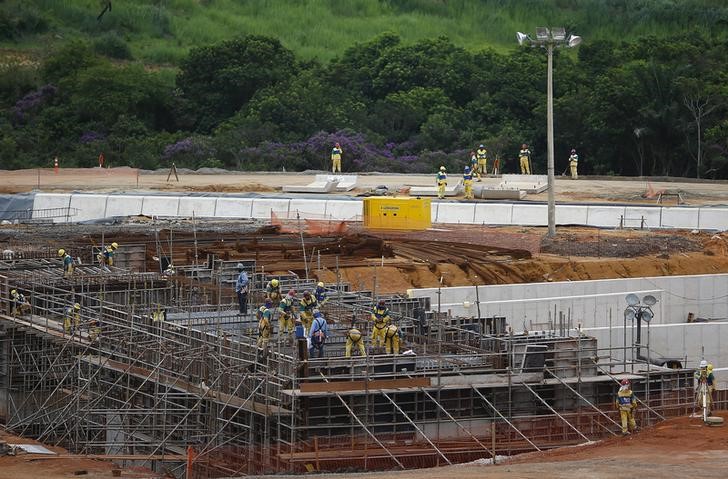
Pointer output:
x,y
626,402
19,305
468,182
704,374
574,164
287,313
265,328
67,263
241,289
320,294
524,157
273,291
391,339
309,303
482,155
354,338
441,181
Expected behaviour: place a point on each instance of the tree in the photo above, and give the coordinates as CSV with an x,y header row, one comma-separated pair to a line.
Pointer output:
x,y
700,104
218,80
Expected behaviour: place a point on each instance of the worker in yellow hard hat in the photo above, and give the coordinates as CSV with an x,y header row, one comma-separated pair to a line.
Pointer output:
x,y
391,339
273,290
72,318
320,294
67,263
380,319
354,338
308,304
265,329
19,306
441,181
482,155
287,313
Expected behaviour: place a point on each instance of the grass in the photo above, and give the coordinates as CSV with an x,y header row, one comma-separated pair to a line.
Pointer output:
x,y
163,31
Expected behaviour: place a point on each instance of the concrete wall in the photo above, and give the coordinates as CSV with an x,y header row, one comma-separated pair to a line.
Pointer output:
x,y
92,206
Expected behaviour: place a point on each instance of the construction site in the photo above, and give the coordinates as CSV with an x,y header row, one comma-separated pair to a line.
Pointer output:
x,y
512,343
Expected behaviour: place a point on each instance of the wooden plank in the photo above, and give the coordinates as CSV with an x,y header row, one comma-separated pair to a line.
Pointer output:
x,y
337,386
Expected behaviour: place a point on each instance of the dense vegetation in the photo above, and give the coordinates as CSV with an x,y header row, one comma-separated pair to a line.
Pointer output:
x,y
645,93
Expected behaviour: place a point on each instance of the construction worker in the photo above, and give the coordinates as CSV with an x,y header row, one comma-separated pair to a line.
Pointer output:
x,y
524,156
317,334
354,338
474,164
67,263
72,318
391,339
573,164
19,305
705,375
94,329
496,165
273,290
336,153
320,294
109,253
468,183
169,271
308,305
441,180
380,318
241,289
287,313
482,161
264,325
626,402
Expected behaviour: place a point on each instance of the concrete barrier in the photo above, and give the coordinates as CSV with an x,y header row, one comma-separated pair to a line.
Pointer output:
x,y
493,213
635,215
454,213
202,207
263,207
530,215
604,216
344,210
234,208
713,218
123,205
686,218
51,200
160,205
90,207
307,208
571,215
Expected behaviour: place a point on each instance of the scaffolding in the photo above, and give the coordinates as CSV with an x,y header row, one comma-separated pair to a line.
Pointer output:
x,y
190,392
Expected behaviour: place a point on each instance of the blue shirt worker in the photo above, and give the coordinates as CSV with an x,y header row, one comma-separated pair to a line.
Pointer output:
x,y
67,263
241,289
468,183
336,153
320,294
318,334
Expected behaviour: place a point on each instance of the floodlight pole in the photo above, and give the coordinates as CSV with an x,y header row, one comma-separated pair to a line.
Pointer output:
x,y
550,138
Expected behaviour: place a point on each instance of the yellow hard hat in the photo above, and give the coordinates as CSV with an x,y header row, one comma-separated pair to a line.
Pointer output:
x,y
15,291
321,284
61,252
114,245
77,306
710,367
274,282
262,309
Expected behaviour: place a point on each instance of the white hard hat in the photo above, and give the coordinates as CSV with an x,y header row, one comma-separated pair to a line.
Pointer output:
x,y
703,364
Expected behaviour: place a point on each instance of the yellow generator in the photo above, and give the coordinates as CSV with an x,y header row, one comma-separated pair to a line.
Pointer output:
x,y
382,212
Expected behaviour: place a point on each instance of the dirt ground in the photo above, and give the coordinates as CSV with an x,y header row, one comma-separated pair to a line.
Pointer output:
x,y
125,179
677,448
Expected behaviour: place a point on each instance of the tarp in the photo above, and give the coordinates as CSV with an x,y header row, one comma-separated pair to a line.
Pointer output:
x,y
11,206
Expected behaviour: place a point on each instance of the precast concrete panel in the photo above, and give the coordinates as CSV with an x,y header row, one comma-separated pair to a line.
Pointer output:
x,y
434,207
51,200
90,207
456,213
493,213
234,208
530,215
604,216
571,214
713,219
202,207
263,207
635,217
313,209
686,218
124,205
160,205
344,210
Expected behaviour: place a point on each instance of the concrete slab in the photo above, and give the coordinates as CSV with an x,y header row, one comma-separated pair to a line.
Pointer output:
x,y
493,214
314,209
51,200
450,190
124,205
532,184
604,216
160,205
457,213
90,207
515,178
531,215
494,193
343,182
344,210
317,186
234,207
263,207
202,207
680,218
713,218
571,215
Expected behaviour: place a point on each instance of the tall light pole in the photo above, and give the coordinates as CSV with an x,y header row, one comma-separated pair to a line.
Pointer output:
x,y
548,39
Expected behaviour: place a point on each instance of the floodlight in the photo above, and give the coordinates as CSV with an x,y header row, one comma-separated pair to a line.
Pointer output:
x,y
632,299
574,40
559,33
649,300
522,38
542,33
629,314
646,315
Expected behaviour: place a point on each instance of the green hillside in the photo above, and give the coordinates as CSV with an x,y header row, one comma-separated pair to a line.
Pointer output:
x,y
163,31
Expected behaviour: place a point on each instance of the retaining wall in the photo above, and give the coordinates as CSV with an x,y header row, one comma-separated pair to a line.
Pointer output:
x,y
95,206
